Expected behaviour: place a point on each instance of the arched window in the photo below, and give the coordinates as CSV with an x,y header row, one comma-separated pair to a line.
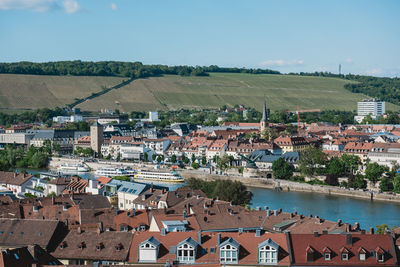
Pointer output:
x,y
268,254
186,253
228,254
147,245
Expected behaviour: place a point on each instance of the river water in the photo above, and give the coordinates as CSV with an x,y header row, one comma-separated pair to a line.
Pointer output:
x,y
367,213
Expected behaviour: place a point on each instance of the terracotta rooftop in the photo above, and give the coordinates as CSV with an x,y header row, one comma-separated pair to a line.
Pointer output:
x,y
91,245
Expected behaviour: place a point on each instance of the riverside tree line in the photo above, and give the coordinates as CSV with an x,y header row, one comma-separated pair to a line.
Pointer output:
x,y
313,162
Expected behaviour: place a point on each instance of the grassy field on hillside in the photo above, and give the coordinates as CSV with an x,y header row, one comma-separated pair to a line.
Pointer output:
x,y
35,91
281,91
174,92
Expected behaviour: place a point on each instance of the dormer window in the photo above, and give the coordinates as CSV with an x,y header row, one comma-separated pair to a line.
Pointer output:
x,y
268,252
310,254
99,246
327,254
229,251
362,254
82,245
119,247
63,245
380,257
380,254
345,256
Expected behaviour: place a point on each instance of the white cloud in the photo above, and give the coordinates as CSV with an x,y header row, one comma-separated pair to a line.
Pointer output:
x,y
373,72
281,63
71,6
348,60
34,5
113,6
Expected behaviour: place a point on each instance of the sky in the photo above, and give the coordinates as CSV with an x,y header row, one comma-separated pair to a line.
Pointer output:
x,y
290,36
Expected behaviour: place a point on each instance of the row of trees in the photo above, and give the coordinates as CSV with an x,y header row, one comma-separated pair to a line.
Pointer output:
x,y
227,190
314,162
116,68
38,115
18,157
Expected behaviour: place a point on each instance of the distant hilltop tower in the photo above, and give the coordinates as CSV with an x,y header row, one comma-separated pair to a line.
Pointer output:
x,y
264,121
340,69
96,137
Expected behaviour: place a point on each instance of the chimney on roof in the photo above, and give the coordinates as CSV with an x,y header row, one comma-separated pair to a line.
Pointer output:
x,y
115,211
275,212
100,228
372,230
349,239
280,211
184,214
268,213
316,234
363,232
356,226
310,216
218,239
266,208
133,212
199,237
198,196
143,197
53,200
258,232
79,230
163,231
324,232
339,222
35,208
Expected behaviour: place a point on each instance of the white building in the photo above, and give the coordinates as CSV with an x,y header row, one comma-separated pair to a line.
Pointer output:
x,y
153,116
16,182
373,107
127,193
64,119
157,145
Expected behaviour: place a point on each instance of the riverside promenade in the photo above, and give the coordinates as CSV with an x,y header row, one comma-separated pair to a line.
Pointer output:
x,y
257,182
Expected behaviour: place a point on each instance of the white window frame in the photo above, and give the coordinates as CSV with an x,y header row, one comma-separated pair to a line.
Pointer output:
x,y
228,254
362,256
185,253
268,254
327,256
380,257
345,256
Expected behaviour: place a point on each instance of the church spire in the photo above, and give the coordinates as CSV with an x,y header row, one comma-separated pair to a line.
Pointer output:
x,y
264,116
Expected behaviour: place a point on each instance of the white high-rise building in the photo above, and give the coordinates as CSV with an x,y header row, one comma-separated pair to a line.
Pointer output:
x,y
153,116
373,107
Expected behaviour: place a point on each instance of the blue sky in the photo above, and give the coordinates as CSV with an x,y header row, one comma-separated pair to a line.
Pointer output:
x,y
363,36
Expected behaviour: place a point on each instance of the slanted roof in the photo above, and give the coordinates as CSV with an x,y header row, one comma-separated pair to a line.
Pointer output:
x,y
16,232
230,241
189,241
115,246
13,178
268,242
152,240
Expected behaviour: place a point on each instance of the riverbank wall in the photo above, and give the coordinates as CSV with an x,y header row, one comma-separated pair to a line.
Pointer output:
x,y
258,182
287,186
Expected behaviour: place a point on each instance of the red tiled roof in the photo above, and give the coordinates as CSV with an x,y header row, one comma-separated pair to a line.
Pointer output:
x,y
248,252
337,244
